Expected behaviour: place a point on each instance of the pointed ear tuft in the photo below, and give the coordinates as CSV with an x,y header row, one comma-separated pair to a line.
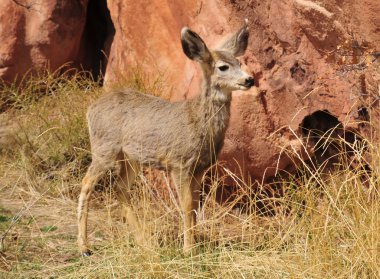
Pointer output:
x,y
194,47
237,44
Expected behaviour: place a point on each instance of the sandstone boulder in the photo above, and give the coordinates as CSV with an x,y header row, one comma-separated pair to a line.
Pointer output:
x,y
39,34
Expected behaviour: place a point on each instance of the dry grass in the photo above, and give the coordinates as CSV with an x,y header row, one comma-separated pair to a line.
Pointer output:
x,y
326,226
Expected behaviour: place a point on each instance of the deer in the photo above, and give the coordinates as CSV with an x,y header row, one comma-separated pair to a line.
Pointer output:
x,y
132,130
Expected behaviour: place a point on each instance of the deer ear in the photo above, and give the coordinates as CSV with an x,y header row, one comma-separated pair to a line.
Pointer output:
x,y
194,47
237,44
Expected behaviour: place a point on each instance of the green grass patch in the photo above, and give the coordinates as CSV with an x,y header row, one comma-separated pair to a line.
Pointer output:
x,y
49,228
4,218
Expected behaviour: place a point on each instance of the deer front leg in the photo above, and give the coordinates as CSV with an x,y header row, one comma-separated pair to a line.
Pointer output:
x,y
188,189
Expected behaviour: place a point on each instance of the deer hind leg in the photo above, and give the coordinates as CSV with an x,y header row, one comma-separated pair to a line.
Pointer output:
x,y
127,176
188,188
94,172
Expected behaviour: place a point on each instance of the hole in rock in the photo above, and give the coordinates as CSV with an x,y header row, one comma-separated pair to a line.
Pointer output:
x,y
297,73
363,114
97,38
333,145
324,133
271,64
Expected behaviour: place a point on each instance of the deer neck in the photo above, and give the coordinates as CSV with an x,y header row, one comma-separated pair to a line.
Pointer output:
x,y
215,109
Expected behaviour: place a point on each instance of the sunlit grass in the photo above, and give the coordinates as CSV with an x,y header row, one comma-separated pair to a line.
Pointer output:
x,y
325,225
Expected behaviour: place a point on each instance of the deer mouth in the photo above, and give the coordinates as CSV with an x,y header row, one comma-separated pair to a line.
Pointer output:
x,y
247,84
244,86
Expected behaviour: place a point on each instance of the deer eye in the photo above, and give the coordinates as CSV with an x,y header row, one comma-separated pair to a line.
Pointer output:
x,y
224,68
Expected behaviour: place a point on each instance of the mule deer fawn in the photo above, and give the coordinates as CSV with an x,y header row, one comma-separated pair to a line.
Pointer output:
x,y
133,129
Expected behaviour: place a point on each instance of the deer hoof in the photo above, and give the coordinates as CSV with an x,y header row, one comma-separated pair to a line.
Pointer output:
x,y
86,254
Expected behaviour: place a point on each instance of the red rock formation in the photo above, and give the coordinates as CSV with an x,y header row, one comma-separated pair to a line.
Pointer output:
x,y
297,49
37,35
295,52
151,40
307,56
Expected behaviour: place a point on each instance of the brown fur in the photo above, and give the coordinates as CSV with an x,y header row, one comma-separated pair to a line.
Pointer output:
x,y
134,129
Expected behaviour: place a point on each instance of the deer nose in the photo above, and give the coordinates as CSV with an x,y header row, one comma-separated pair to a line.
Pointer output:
x,y
249,82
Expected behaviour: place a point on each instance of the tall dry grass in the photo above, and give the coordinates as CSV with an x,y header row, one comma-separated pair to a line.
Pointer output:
x,y
326,223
